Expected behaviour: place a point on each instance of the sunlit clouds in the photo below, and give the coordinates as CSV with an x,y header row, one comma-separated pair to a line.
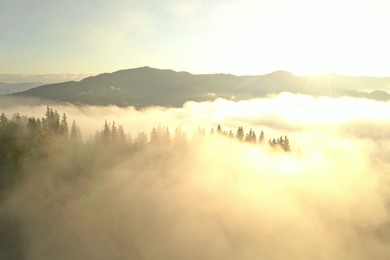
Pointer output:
x,y
215,197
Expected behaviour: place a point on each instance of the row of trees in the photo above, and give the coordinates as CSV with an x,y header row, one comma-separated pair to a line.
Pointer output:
x,y
21,133
251,137
162,135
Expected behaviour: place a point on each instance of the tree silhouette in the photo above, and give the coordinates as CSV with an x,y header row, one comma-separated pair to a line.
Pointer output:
x,y
261,137
240,134
286,144
63,130
75,134
219,129
251,137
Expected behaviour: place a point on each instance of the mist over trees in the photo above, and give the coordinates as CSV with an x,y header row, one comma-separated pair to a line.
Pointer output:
x,y
28,140
25,140
34,147
216,193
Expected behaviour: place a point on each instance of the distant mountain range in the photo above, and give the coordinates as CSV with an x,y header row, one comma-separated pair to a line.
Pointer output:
x,y
8,88
142,87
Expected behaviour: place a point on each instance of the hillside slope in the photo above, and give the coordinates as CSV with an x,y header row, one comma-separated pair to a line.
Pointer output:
x,y
147,86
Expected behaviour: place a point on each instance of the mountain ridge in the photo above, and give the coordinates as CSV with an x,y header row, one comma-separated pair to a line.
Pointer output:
x,y
146,86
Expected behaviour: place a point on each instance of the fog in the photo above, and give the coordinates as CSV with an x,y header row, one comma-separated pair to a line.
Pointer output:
x,y
284,113
215,197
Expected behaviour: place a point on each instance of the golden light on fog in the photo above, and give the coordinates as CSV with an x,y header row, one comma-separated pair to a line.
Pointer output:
x,y
151,182
219,198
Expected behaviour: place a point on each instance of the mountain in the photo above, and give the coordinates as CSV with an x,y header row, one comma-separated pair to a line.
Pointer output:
x,y
8,88
147,86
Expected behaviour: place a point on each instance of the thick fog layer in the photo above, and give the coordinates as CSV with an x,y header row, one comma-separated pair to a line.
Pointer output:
x,y
284,112
215,197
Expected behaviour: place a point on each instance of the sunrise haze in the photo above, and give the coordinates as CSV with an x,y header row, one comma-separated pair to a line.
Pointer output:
x,y
235,36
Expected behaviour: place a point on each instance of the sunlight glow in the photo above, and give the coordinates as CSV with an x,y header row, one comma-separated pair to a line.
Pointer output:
x,y
236,36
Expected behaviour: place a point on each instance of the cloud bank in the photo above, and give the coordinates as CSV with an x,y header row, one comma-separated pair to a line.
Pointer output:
x,y
218,198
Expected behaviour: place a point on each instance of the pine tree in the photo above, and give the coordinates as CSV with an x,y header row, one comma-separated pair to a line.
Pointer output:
x,y
121,134
141,140
114,131
231,135
251,137
219,129
154,136
52,121
261,137
64,126
240,134
3,119
166,136
179,137
286,145
106,133
75,134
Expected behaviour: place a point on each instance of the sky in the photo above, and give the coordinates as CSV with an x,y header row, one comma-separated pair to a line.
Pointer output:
x,y
241,37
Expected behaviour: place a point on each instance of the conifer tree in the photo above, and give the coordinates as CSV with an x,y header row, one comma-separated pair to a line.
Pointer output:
x,y
286,145
141,140
219,129
240,133
121,134
106,133
3,120
179,137
231,135
114,131
261,137
154,136
64,126
75,134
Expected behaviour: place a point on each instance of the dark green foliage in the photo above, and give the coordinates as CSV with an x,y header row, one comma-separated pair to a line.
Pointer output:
x,y
12,150
25,139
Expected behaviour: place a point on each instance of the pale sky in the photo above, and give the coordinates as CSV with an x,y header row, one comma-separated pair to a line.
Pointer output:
x,y
228,36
